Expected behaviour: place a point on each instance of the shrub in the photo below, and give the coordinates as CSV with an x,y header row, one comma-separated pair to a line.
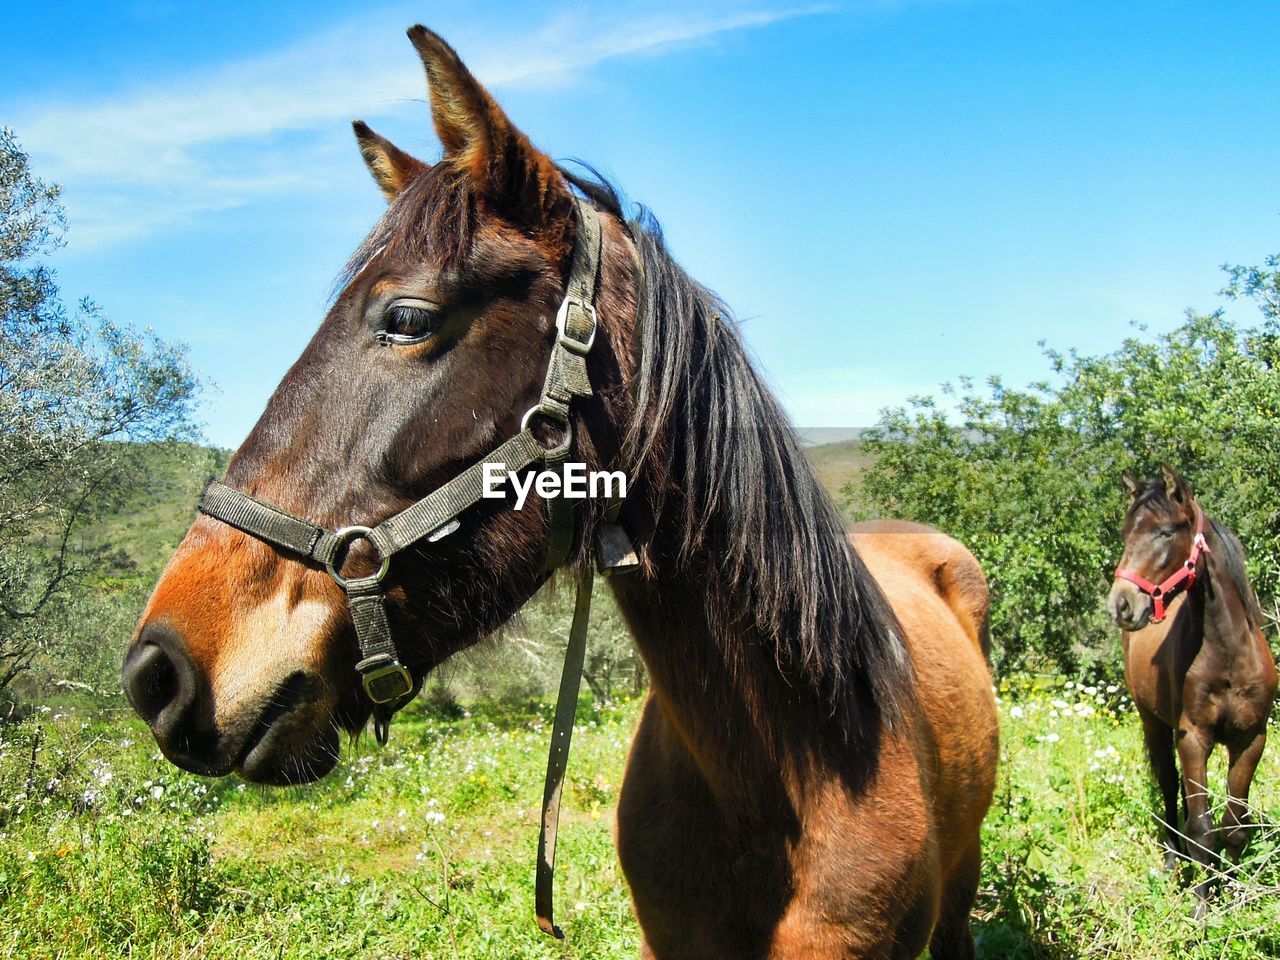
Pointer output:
x,y
1029,478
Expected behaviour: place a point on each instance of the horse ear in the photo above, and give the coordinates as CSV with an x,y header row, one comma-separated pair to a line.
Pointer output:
x,y
479,139
392,168
1131,486
1178,490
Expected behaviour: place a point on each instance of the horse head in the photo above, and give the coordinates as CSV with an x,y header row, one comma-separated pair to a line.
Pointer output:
x,y
1163,539
439,341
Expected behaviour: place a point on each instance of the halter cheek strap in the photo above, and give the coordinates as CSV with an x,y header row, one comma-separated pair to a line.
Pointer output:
x,y
1180,580
385,678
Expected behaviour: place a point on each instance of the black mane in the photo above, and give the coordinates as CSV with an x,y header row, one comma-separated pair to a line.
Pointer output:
x,y
1230,554
748,500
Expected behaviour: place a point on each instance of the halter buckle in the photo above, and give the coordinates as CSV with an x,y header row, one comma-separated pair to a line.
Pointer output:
x,y
385,678
341,539
567,340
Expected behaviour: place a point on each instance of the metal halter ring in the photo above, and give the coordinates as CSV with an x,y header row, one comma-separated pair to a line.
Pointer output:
x,y
341,539
561,449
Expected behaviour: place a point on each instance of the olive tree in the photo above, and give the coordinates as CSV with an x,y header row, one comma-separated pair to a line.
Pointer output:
x,y
78,393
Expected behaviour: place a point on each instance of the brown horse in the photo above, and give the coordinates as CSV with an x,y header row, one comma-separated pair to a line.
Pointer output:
x,y
819,746
1198,666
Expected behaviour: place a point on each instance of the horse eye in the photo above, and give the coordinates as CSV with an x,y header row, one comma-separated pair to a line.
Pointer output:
x,y
1167,532
409,322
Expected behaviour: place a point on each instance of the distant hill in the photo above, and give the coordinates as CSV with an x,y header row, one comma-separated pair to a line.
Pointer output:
x,y
150,522
821,436
838,464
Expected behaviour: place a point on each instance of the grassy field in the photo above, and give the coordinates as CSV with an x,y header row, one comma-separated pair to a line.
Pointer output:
x,y
426,848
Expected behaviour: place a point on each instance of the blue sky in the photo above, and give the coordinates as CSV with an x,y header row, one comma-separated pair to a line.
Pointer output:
x,y
889,193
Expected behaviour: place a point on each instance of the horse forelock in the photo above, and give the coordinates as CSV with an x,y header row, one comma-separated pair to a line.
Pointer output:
x,y
1152,498
433,222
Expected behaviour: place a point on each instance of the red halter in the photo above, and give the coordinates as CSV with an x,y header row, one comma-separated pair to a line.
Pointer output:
x,y
1182,579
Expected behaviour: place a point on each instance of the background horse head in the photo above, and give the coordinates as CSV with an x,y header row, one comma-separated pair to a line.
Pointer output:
x,y
1163,540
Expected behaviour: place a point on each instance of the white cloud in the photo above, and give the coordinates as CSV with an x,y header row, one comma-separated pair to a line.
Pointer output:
x,y
137,161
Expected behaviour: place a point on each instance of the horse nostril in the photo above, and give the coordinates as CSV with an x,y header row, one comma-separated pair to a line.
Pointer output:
x,y
1122,606
160,680
164,686
150,680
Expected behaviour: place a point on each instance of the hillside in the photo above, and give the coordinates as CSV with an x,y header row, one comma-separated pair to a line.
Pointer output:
x,y
838,464
146,527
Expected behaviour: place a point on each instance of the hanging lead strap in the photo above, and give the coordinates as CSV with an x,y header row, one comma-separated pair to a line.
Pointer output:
x,y
558,759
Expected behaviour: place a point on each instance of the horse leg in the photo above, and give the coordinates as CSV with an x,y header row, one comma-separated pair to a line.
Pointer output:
x,y
1194,748
1242,762
1158,738
952,938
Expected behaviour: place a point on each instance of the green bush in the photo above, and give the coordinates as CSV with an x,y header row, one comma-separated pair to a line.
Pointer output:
x,y
1030,479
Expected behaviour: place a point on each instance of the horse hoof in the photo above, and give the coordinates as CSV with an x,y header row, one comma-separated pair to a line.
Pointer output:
x,y
1171,860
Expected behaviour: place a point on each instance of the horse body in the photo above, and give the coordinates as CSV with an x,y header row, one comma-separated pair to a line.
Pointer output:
x,y
1204,675
1181,673
735,849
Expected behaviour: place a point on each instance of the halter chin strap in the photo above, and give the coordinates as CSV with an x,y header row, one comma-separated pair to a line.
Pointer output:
x,y
1180,580
386,680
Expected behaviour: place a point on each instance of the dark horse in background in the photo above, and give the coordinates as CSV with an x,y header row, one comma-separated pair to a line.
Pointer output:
x,y
819,746
1197,663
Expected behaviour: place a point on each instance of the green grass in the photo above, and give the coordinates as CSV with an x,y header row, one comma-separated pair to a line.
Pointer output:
x,y
426,848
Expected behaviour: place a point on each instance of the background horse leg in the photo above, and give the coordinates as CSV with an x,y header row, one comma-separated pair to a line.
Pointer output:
x,y
1194,748
952,937
1243,761
1158,737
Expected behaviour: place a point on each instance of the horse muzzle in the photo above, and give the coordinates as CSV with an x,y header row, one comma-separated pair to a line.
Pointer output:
x,y
1130,609
278,741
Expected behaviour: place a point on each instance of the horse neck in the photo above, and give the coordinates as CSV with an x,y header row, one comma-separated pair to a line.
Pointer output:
x,y
717,683
1220,611
726,708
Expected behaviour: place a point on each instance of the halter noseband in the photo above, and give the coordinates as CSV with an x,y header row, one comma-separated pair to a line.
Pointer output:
x,y
385,678
1180,580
